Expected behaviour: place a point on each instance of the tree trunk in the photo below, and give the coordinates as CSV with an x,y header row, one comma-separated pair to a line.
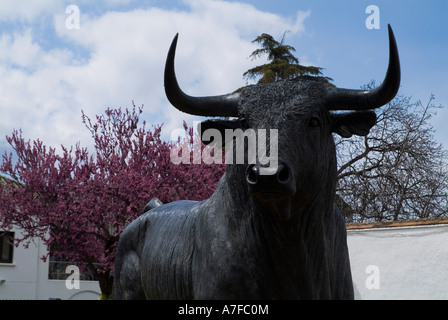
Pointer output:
x,y
106,282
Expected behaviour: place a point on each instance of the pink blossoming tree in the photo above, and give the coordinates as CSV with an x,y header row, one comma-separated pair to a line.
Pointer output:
x,y
78,203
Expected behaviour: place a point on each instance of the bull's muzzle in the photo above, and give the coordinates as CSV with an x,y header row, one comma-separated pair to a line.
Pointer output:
x,y
270,180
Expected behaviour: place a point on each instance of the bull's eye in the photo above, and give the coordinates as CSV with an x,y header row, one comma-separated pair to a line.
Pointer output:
x,y
314,122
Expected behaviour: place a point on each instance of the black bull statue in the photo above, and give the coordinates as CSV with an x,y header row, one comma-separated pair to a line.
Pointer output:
x,y
259,236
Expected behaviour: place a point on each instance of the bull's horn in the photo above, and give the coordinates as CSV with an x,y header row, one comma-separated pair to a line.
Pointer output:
x,y
224,105
346,99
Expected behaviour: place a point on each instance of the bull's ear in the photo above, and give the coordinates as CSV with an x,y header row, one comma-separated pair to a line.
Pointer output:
x,y
215,130
348,124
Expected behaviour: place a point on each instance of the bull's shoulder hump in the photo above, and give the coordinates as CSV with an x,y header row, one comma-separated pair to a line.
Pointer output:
x,y
162,218
180,207
169,213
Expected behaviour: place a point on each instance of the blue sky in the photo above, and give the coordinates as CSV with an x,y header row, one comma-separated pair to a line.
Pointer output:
x,y
49,72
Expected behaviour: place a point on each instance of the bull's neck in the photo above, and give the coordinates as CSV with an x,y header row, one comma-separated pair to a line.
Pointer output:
x,y
294,253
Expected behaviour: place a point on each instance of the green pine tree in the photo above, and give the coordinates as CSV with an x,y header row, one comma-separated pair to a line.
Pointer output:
x,y
283,65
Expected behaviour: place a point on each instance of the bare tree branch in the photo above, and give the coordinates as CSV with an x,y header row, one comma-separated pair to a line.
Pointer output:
x,y
396,172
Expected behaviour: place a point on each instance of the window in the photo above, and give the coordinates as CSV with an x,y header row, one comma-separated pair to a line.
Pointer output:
x,y
57,270
6,249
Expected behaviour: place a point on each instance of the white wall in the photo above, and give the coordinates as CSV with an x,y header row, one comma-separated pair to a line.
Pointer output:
x,y
27,278
400,262
396,262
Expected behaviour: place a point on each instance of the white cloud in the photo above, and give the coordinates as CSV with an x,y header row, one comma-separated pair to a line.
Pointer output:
x,y
31,10
11,10
43,90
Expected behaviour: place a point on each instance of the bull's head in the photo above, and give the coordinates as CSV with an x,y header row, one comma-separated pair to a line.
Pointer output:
x,y
304,114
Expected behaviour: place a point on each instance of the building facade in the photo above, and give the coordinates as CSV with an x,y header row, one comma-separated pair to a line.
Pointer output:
x,y
23,275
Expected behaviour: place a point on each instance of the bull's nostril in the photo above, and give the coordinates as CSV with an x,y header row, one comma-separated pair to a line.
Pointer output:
x,y
283,174
252,174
